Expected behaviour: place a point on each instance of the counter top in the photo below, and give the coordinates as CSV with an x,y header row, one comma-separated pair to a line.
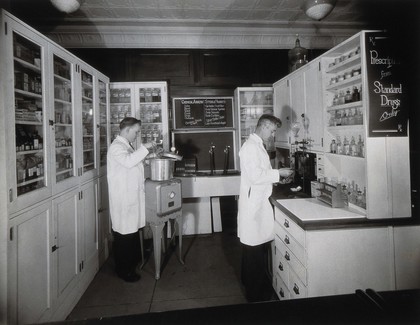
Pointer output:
x,y
312,214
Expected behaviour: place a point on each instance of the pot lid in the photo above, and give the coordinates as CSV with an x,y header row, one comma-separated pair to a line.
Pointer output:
x,y
171,155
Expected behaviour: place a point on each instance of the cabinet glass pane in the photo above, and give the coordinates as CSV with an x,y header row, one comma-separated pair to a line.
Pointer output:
x,y
103,131
149,111
252,105
63,119
29,115
120,107
88,122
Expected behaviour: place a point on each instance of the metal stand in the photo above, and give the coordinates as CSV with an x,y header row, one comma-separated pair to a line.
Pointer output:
x,y
157,227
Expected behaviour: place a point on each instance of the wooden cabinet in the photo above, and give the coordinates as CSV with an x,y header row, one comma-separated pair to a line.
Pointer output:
x,y
30,266
66,243
330,262
54,126
298,103
407,257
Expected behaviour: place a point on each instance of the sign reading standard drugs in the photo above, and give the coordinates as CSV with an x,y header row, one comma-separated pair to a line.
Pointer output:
x,y
210,112
387,114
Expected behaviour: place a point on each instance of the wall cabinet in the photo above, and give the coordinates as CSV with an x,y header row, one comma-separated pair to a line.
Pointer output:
x,y
146,101
30,266
54,124
298,103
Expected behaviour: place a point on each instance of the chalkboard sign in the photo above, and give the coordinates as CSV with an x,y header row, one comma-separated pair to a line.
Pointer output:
x,y
208,112
388,115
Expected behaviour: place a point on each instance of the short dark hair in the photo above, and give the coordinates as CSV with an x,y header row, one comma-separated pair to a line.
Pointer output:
x,y
268,119
128,122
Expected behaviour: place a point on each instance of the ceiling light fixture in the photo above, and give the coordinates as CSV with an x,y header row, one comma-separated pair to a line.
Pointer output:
x,y
318,9
67,6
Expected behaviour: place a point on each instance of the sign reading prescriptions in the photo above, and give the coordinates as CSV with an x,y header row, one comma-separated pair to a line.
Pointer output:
x,y
388,113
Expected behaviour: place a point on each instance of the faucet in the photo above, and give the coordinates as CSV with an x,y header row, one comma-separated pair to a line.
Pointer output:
x,y
226,165
212,161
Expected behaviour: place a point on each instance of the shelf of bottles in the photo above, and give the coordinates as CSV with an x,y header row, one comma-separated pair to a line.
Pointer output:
x,y
103,129
120,107
88,122
345,110
63,120
252,104
29,115
149,111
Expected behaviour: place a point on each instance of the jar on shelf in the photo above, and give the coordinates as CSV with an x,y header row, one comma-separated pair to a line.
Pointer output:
x,y
348,98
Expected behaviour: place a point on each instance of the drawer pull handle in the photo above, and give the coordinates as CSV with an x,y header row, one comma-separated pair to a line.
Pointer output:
x,y
286,223
296,289
281,266
287,240
281,292
287,256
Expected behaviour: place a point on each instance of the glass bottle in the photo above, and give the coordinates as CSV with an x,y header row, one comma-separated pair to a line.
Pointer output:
x,y
346,146
339,146
333,146
353,147
345,118
355,95
341,98
361,147
335,100
338,118
348,98
352,116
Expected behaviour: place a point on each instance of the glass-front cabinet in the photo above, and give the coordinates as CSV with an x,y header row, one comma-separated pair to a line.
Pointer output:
x,y
103,124
251,103
121,103
63,119
26,115
88,122
146,101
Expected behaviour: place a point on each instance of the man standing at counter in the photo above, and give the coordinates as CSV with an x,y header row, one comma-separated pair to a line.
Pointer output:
x,y
255,213
125,175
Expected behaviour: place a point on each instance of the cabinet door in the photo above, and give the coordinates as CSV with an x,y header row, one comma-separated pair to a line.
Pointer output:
x,y
88,221
104,222
30,266
26,115
283,111
65,245
103,123
121,98
151,107
407,257
313,120
63,117
297,104
89,164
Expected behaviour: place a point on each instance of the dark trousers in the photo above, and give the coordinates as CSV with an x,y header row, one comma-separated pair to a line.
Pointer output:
x,y
127,252
253,272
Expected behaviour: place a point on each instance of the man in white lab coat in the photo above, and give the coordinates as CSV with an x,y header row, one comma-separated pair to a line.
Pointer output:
x,y
255,213
125,175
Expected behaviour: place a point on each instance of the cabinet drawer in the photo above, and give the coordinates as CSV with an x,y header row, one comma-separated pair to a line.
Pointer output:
x,y
281,288
293,261
320,170
281,265
292,228
291,243
297,288
320,159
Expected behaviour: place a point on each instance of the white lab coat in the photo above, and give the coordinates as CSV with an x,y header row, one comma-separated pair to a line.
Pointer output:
x,y
255,213
125,175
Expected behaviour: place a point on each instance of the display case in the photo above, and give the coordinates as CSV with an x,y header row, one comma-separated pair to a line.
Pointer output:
x,y
251,103
354,157
147,102
103,124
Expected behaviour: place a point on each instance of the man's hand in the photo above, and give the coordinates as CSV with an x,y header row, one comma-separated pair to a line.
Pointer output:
x,y
286,175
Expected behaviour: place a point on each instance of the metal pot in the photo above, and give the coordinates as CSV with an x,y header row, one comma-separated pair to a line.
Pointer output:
x,y
161,169
163,165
